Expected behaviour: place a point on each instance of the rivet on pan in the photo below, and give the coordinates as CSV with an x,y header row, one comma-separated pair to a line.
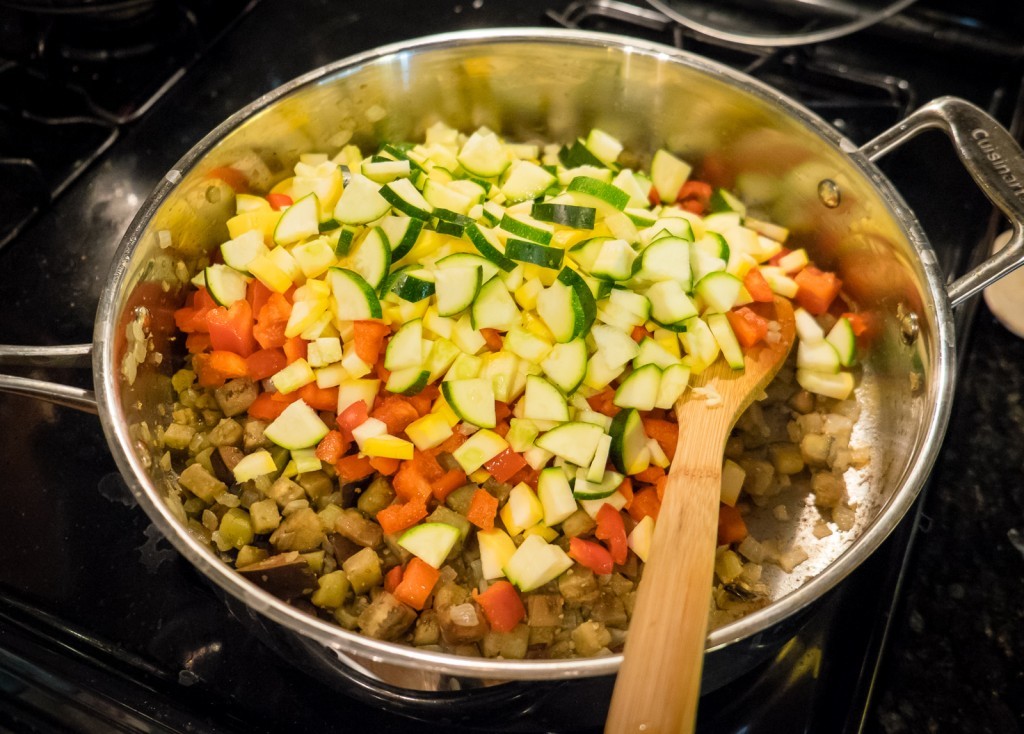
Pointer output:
x,y
828,193
909,327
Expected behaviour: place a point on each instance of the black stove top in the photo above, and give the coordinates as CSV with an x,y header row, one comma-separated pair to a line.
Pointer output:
x,y
102,626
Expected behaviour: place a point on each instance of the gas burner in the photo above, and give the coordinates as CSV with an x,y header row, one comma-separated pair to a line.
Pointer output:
x,y
92,39
76,74
859,102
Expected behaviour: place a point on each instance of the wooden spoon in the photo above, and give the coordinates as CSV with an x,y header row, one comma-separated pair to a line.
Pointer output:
x,y
658,684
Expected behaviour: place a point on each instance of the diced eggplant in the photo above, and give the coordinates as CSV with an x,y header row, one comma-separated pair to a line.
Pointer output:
x,y
300,531
427,631
228,432
333,588
286,575
498,490
178,436
316,483
223,460
542,635
578,585
511,645
449,594
461,623
315,559
609,610
449,517
352,525
460,499
376,497
235,396
544,610
249,554
343,547
363,570
577,524
590,638
236,528
200,482
284,490
264,516
253,438
386,618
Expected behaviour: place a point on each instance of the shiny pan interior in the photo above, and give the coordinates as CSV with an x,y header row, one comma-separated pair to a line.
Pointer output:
x,y
551,85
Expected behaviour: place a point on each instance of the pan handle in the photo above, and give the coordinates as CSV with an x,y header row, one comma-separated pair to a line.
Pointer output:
x,y
75,355
995,162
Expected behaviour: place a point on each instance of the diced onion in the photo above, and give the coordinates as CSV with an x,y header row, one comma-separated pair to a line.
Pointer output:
x,y
464,615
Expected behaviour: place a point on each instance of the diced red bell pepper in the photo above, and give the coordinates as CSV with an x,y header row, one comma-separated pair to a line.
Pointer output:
x,y
592,555
448,483
501,606
271,322
645,502
505,465
757,286
269,405
320,398
214,368
392,579
279,201
368,339
612,530
731,527
748,327
482,509
354,415
265,363
695,193
418,580
410,484
231,328
400,516
353,468
332,447
231,176
818,289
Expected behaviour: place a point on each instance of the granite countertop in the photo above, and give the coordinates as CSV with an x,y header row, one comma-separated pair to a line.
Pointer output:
x,y
955,661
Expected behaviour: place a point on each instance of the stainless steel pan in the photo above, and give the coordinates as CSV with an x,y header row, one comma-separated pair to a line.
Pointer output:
x,y
554,85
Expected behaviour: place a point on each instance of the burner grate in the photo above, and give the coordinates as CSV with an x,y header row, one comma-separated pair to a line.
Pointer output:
x,y
71,82
859,102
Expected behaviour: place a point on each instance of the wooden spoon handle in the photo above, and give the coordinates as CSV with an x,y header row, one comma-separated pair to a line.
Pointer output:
x,y
659,681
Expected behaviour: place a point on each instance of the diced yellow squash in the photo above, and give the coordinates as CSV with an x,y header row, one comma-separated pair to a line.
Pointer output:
x,y
262,220
270,274
444,410
549,534
250,203
430,431
522,510
388,447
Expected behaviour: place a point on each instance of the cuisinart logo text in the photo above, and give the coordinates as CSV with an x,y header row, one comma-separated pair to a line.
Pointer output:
x,y
984,142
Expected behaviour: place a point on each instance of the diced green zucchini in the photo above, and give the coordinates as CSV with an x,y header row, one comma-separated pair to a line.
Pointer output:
x,y
297,427
555,494
576,442
668,174
629,452
472,400
431,542
640,389
360,202
566,364
544,401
